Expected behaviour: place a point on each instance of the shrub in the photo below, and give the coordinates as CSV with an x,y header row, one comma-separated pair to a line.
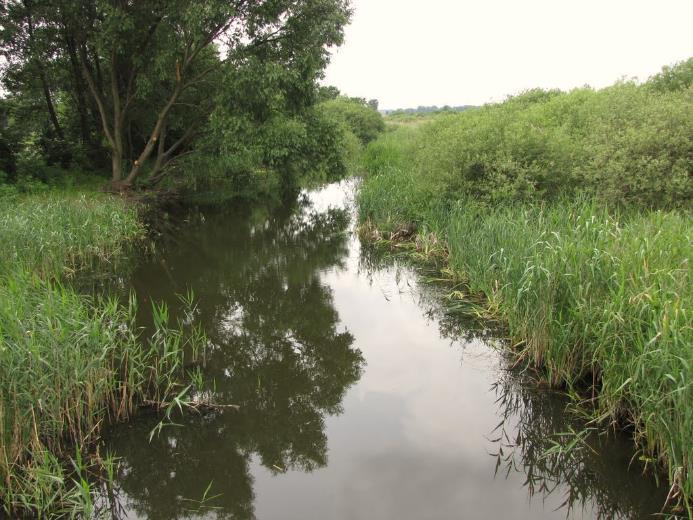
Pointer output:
x,y
626,144
365,122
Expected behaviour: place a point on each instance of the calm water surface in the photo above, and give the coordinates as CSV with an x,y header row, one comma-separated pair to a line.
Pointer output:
x,y
359,397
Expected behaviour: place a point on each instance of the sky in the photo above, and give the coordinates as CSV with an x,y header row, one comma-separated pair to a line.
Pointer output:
x,y
407,53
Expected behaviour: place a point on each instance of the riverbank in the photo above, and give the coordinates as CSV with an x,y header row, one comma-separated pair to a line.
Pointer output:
x,y
524,202
69,362
362,375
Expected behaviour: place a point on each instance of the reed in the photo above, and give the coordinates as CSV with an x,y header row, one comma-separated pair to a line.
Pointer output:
x,y
69,362
53,233
600,302
594,291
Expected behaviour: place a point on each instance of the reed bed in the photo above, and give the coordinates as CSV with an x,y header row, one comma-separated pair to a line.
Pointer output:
x,y
69,363
595,289
600,302
53,233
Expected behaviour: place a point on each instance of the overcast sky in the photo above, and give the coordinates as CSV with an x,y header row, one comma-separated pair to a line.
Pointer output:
x,y
407,53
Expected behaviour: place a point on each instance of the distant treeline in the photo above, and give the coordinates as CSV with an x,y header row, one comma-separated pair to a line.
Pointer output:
x,y
426,110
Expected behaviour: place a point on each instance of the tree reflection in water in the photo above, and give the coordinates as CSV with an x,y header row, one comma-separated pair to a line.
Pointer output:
x,y
279,352
537,437
276,350
558,453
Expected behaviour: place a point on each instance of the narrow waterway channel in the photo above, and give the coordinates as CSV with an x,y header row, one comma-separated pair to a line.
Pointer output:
x,y
360,398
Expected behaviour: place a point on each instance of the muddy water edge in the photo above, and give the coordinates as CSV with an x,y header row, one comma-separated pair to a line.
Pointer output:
x,y
359,396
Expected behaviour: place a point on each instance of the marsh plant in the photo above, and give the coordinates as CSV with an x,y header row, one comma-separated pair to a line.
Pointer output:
x,y
570,214
71,363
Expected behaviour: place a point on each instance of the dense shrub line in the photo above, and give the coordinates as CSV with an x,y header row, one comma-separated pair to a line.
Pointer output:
x,y
626,144
571,213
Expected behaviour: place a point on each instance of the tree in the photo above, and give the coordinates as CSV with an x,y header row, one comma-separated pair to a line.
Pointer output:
x,y
357,115
673,78
165,60
327,93
25,42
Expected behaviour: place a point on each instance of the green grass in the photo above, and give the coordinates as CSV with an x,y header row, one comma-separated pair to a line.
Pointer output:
x,y
54,232
69,363
595,299
593,285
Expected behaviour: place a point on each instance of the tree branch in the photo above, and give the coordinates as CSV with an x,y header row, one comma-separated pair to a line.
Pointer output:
x,y
96,94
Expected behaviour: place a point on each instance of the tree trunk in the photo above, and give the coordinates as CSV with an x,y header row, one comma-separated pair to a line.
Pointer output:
x,y
114,133
117,169
42,73
154,138
78,88
118,152
49,102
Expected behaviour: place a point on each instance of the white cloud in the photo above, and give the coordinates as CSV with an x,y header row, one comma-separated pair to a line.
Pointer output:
x,y
412,52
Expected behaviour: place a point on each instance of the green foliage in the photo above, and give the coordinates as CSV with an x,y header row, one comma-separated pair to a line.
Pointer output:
x,y
69,362
625,144
326,93
423,112
592,296
545,205
678,77
363,120
54,233
393,150
30,161
266,136
144,83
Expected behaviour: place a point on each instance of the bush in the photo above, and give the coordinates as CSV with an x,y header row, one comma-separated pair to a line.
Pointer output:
x,y
625,144
365,122
678,77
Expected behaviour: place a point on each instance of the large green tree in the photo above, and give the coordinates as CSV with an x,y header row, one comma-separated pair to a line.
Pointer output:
x,y
153,70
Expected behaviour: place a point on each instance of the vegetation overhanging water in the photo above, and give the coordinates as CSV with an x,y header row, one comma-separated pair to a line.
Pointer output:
x,y
352,398
563,218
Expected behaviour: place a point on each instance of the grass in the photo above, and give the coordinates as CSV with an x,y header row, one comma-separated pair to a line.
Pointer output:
x,y
69,363
596,299
54,232
595,291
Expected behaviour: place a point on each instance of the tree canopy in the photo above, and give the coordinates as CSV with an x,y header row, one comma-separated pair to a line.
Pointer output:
x,y
147,80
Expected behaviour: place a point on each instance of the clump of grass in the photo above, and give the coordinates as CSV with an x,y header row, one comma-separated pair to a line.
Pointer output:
x,y
53,233
69,362
544,204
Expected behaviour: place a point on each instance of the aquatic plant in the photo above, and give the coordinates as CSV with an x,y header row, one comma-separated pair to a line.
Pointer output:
x,y
69,362
544,204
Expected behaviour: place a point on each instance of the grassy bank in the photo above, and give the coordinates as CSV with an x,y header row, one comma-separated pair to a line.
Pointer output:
x,y
69,363
570,213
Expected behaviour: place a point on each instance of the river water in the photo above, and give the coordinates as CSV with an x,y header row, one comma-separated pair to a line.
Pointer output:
x,y
359,396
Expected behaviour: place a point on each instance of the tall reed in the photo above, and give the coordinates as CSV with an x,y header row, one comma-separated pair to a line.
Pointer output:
x,y
594,284
69,363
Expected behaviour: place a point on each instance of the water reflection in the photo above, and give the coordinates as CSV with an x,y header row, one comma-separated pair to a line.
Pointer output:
x,y
276,290
277,352
560,455
559,458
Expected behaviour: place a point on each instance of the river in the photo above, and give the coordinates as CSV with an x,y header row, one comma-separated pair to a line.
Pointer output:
x,y
360,396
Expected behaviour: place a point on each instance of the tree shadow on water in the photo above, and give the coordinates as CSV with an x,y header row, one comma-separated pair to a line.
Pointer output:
x,y
560,454
277,350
